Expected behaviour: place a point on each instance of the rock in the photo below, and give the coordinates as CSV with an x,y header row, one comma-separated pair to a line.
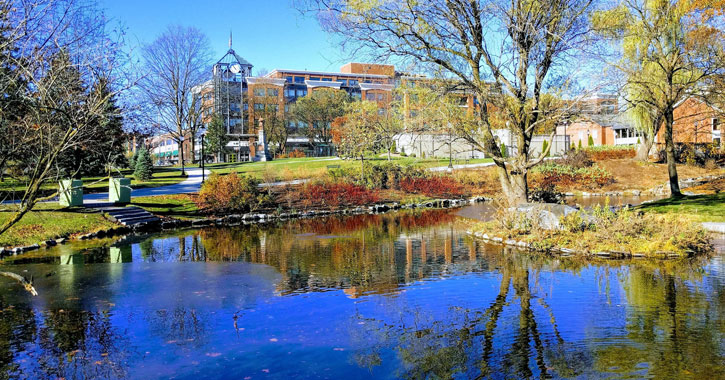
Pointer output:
x,y
510,242
50,243
61,240
636,193
546,214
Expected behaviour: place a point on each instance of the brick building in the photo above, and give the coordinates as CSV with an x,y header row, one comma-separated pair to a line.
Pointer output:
x,y
695,122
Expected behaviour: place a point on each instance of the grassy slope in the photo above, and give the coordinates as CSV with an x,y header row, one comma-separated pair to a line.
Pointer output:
x,y
176,206
704,208
311,167
48,222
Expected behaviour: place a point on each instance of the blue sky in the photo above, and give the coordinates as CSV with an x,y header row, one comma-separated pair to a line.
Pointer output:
x,y
268,33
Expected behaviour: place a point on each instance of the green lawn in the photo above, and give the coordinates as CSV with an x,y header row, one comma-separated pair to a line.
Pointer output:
x,y
161,177
704,208
175,206
310,167
50,221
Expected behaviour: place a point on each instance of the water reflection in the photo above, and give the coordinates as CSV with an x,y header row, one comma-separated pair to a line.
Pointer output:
x,y
405,295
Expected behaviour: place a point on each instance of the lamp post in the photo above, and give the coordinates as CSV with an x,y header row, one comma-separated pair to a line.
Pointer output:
x,y
203,168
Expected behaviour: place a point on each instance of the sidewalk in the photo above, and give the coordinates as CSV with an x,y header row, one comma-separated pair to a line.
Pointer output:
x,y
192,184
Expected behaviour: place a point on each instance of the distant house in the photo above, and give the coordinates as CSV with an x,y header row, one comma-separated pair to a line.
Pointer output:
x,y
695,122
601,120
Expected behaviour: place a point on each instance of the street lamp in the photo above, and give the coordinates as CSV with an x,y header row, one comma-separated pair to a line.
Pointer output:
x,y
203,169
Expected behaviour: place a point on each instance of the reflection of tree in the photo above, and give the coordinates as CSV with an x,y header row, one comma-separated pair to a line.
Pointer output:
x,y
62,344
473,342
180,325
671,325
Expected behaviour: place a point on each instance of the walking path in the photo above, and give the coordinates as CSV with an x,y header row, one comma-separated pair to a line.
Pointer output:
x,y
191,184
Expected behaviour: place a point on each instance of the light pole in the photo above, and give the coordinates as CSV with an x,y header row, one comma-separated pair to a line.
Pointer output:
x,y
203,169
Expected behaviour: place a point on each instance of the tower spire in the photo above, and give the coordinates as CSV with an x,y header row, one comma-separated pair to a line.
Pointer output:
x,y
230,39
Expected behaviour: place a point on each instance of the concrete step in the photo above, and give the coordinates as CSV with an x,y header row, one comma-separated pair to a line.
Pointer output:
x,y
131,216
131,223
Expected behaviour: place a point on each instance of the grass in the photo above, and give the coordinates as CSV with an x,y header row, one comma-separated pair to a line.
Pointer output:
x,y
180,206
314,167
161,177
50,221
646,234
702,208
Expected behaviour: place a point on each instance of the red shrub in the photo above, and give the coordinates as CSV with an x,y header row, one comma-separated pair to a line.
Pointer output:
x,y
337,195
611,153
436,186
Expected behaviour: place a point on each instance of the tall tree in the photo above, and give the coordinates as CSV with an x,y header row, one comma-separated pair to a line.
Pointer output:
x,y
670,51
176,62
317,111
353,133
216,137
520,47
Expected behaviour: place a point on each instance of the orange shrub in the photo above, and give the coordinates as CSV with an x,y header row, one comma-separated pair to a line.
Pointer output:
x,y
434,186
230,193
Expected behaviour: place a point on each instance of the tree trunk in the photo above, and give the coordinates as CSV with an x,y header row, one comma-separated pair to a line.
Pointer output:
x,y
670,149
514,185
181,156
645,147
193,153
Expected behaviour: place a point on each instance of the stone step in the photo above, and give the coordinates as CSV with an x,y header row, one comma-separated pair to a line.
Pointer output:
x,y
134,221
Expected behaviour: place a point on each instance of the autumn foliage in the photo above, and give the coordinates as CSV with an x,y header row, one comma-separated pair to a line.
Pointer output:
x,y
335,195
230,193
433,186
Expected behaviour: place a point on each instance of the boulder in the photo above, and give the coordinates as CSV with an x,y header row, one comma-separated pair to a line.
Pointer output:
x,y
546,214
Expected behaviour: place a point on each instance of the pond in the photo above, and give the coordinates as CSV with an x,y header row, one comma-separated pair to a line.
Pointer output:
x,y
405,295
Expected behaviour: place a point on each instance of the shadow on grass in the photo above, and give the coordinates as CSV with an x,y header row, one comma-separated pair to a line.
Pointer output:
x,y
168,209
710,200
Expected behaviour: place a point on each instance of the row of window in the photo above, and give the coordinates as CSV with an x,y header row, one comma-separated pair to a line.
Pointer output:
x,y
266,92
345,82
261,107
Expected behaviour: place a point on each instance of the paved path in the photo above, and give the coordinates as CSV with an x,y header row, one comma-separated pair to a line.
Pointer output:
x,y
465,166
191,184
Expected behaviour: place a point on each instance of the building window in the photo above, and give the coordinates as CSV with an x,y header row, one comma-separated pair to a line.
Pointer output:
x,y
272,92
258,92
246,106
301,92
289,92
370,96
258,107
314,78
327,79
288,79
381,97
352,82
299,79
715,124
286,108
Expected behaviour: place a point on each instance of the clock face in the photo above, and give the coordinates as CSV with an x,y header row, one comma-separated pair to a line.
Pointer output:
x,y
236,68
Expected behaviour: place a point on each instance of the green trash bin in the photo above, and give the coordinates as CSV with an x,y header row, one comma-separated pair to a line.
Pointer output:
x,y
119,190
71,192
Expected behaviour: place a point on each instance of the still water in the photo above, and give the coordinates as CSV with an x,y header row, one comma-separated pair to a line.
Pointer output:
x,y
406,295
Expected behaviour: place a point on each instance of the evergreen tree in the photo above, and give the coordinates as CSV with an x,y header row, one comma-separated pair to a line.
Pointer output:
x,y
144,165
503,150
591,140
216,137
544,147
580,145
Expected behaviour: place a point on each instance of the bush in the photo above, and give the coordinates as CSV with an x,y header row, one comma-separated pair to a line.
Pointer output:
x,y
293,154
144,167
434,186
561,176
544,147
231,193
591,140
547,193
576,159
330,194
611,152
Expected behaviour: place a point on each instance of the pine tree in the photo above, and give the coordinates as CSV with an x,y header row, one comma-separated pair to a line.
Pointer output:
x,y
544,147
144,166
503,150
591,140
580,145
216,137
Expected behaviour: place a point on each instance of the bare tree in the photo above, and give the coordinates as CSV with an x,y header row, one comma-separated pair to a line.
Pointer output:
x,y
488,46
176,62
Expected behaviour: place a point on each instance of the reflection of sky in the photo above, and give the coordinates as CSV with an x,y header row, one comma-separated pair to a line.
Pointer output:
x,y
177,319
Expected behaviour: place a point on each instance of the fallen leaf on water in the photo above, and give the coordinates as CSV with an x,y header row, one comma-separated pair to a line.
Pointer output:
x,y
273,340
265,370
213,354
338,349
